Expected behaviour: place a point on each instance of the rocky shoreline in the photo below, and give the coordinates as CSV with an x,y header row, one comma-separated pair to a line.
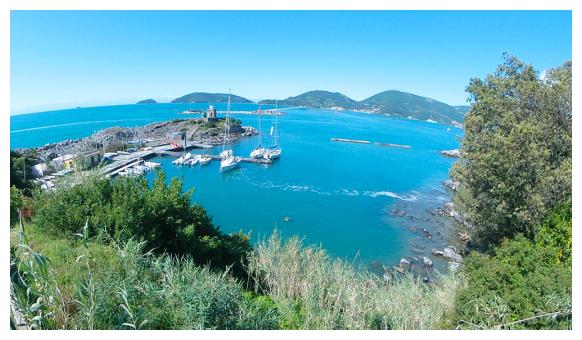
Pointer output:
x,y
117,138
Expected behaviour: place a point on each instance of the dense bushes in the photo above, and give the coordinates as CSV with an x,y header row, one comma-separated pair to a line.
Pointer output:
x,y
516,155
523,283
120,286
127,207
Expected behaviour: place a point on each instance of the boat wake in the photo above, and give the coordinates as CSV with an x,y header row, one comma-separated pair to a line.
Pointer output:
x,y
342,192
374,194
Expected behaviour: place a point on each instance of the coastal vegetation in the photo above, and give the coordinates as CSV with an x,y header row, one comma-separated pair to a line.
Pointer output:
x,y
160,215
128,254
87,284
515,192
516,155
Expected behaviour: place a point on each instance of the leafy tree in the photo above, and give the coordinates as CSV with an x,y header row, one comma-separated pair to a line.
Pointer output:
x,y
16,203
21,170
516,155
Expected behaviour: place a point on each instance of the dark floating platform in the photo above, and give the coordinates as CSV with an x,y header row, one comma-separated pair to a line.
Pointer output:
x,y
357,141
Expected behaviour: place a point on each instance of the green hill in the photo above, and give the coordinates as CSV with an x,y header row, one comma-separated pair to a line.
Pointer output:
x,y
410,105
147,101
388,102
462,108
204,97
317,98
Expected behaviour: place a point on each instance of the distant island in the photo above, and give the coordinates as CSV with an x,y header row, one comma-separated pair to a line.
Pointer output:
x,y
317,98
147,101
204,97
391,102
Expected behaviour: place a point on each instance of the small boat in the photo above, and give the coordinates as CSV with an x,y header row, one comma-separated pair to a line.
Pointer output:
x,y
152,164
182,160
193,161
273,153
229,163
259,152
204,160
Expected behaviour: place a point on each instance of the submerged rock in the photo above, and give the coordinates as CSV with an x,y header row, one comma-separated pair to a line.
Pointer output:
x,y
451,184
426,233
437,252
455,153
426,261
450,253
404,263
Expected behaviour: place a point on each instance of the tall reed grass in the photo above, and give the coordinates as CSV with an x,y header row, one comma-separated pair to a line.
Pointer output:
x,y
314,291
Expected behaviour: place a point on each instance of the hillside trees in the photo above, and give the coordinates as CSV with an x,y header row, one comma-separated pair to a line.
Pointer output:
x,y
516,156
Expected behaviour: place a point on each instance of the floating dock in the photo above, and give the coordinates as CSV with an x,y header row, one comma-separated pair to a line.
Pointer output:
x,y
344,140
394,145
357,141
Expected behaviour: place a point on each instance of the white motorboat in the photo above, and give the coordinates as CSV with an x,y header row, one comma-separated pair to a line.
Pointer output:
x,y
178,161
152,164
273,153
204,160
182,160
193,161
229,163
259,152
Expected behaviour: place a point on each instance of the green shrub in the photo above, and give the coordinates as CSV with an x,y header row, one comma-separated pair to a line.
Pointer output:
x,y
524,283
16,203
127,207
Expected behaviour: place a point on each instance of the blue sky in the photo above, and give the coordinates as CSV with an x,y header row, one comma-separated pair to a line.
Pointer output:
x,y
81,58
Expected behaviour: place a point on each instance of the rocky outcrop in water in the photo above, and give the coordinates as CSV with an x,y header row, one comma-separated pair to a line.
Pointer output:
x,y
451,184
455,153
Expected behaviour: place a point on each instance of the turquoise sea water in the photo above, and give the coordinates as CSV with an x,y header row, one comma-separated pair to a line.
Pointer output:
x,y
340,195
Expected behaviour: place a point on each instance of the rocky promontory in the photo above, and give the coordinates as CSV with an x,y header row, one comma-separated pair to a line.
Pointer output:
x,y
118,138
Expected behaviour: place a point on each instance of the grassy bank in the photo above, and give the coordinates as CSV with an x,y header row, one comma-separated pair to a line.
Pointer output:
x,y
86,284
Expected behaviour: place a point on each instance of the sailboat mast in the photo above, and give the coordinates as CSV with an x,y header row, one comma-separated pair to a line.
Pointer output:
x,y
260,128
276,125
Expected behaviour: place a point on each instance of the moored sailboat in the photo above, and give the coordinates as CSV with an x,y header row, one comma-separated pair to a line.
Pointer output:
x,y
228,160
274,152
259,151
